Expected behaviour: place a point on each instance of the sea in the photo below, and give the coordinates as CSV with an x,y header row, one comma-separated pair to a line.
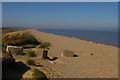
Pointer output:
x,y
104,37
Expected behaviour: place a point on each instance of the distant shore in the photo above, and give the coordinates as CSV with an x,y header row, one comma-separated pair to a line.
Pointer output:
x,y
101,37
81,39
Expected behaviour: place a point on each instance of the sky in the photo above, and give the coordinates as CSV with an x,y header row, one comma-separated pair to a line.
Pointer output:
x,y
61,15
60,0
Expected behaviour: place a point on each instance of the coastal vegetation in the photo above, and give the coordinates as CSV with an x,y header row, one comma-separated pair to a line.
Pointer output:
x,y
28,46
19,39
8,30
45,45
31,62
32,54
38,74
23,38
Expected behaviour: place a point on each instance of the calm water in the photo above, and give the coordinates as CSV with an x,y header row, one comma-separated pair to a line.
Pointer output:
x,y
110,38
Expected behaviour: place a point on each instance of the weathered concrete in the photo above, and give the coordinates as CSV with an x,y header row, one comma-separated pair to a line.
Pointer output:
x,y
14,50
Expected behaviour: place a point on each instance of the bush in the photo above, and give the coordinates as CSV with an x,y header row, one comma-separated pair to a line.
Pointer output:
x,y
32,54
28,46
19,39
45,45
38,74
31,62
8,30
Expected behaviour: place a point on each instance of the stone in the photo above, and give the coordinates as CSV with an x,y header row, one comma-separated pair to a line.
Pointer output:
x,y
17,50
68,53
91,54
45,53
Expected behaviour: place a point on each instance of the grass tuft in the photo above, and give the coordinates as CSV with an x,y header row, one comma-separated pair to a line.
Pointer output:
x,y
45,45
32,54
31,62
28,46
38,74
19,39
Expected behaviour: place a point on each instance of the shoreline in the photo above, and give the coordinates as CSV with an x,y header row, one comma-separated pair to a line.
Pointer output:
x,y
93,59
79,39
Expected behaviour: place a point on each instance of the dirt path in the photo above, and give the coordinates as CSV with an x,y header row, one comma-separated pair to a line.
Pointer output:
x,y
102,64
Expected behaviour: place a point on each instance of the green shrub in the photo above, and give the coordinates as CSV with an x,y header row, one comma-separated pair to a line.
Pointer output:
x,y
8,30
45,45
28,46
31,62
38,74
32,54
19,39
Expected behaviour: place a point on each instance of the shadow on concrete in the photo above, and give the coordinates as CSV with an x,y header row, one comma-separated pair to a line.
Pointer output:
x,y
53,59
75,55
38,65
14,71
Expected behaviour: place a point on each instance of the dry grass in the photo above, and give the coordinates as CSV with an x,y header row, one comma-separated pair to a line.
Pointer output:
x,y
19,38
6,30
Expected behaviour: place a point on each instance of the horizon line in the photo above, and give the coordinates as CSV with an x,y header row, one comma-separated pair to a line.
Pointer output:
x,y
60,0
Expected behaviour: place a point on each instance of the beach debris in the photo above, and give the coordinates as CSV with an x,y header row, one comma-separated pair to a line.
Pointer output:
x,y
95,42
52,62
69,53
17,50
91,54
75,55
45,54
52,58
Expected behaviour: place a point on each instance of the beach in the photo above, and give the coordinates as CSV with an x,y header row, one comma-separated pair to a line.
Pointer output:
x,y
94,60
59,40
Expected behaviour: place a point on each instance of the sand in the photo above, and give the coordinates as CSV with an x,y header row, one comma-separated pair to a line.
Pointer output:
x,y
102,64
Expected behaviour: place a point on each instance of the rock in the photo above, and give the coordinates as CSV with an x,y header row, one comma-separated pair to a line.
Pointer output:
x,y
45,53
52,62
91,54
68,53
14,50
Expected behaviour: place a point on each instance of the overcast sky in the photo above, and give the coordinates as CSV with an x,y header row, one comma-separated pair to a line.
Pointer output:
x,y
61,15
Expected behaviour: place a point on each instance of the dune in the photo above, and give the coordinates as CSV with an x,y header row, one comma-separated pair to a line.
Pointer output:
x,y
94,60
